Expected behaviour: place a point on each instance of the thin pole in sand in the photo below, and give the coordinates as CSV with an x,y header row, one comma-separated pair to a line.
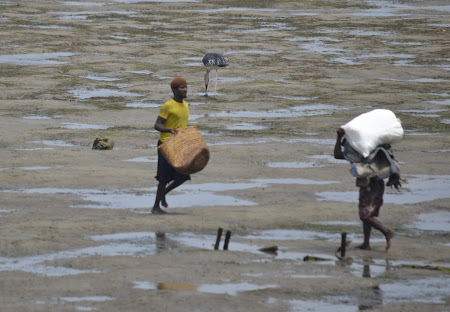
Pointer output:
x,y
219,235
227,240
343,243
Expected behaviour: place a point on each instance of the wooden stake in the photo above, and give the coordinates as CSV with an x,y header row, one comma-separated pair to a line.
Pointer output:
x,y
227,240
219,235
343,243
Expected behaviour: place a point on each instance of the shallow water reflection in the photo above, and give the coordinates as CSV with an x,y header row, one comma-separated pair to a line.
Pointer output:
x,y
84,94
296,111
420,188
436,221
188,195
35,58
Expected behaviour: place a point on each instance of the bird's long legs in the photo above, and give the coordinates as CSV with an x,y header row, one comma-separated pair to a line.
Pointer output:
x,y
215,84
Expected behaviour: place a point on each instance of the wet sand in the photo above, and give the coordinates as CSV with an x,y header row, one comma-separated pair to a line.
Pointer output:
x,y
76,233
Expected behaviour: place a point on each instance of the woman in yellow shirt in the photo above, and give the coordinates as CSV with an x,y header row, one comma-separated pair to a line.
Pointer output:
x,y
173,115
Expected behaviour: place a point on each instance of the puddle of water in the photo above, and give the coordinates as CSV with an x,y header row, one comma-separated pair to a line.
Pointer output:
x,y
43,26
38,117
292,165
356,60
289,141
34,58
140,72
294,98
278,234
120,37
196,103
302,276
441,102
35,264
436,221
416,80
99,78
38,168
427,290
423,113
83,15
59,143
321,48
187,196
233,9
194,117
245,126
320,306
408,43
314,141
228,289
75,3
349,223
326,158
232,289
143,159
410,132
87,298
258,52
35,149
143,105
420,188
78,126
145,285
159,1
296,111
357,32
84,94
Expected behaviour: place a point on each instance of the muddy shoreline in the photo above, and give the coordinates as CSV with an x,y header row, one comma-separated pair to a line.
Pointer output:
x,y
75,223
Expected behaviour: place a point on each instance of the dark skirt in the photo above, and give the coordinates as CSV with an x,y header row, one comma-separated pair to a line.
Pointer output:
x,y
166,172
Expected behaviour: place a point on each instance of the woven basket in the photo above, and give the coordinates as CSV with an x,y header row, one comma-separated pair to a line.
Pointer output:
x,y
186,151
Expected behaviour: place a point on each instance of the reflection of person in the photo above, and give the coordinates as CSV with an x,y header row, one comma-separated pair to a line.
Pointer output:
x,y
173,115
370,199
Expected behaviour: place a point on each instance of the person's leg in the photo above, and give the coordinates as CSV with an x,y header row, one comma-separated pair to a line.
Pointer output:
x,y
366,244
375,223
174,184
370,201
159,195
164,175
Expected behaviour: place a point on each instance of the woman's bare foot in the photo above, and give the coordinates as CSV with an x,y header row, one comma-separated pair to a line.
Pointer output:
x,y
364,246
157,210
389,236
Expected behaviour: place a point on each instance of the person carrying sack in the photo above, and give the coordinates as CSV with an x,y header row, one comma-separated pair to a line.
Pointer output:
x,y
370,164
172,116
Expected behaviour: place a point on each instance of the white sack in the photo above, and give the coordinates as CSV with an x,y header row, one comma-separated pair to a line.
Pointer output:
x,y
369,130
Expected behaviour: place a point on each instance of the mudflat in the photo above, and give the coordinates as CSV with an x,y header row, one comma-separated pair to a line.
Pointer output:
x,y
76,232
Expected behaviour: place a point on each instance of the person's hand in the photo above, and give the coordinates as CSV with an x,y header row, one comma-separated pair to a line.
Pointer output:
x,y
174,131
395,181
340,132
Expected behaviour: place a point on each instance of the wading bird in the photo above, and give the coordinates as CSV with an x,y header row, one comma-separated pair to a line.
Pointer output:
x,y
213,61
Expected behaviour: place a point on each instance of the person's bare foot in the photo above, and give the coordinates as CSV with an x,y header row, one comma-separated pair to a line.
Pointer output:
x,y
364,247
389,236
164,203
157,210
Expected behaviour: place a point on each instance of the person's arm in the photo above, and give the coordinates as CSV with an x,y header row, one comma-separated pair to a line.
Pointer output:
x,y
159,126
337,147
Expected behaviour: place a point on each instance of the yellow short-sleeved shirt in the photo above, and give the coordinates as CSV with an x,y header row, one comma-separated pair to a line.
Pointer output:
x,y
176,115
